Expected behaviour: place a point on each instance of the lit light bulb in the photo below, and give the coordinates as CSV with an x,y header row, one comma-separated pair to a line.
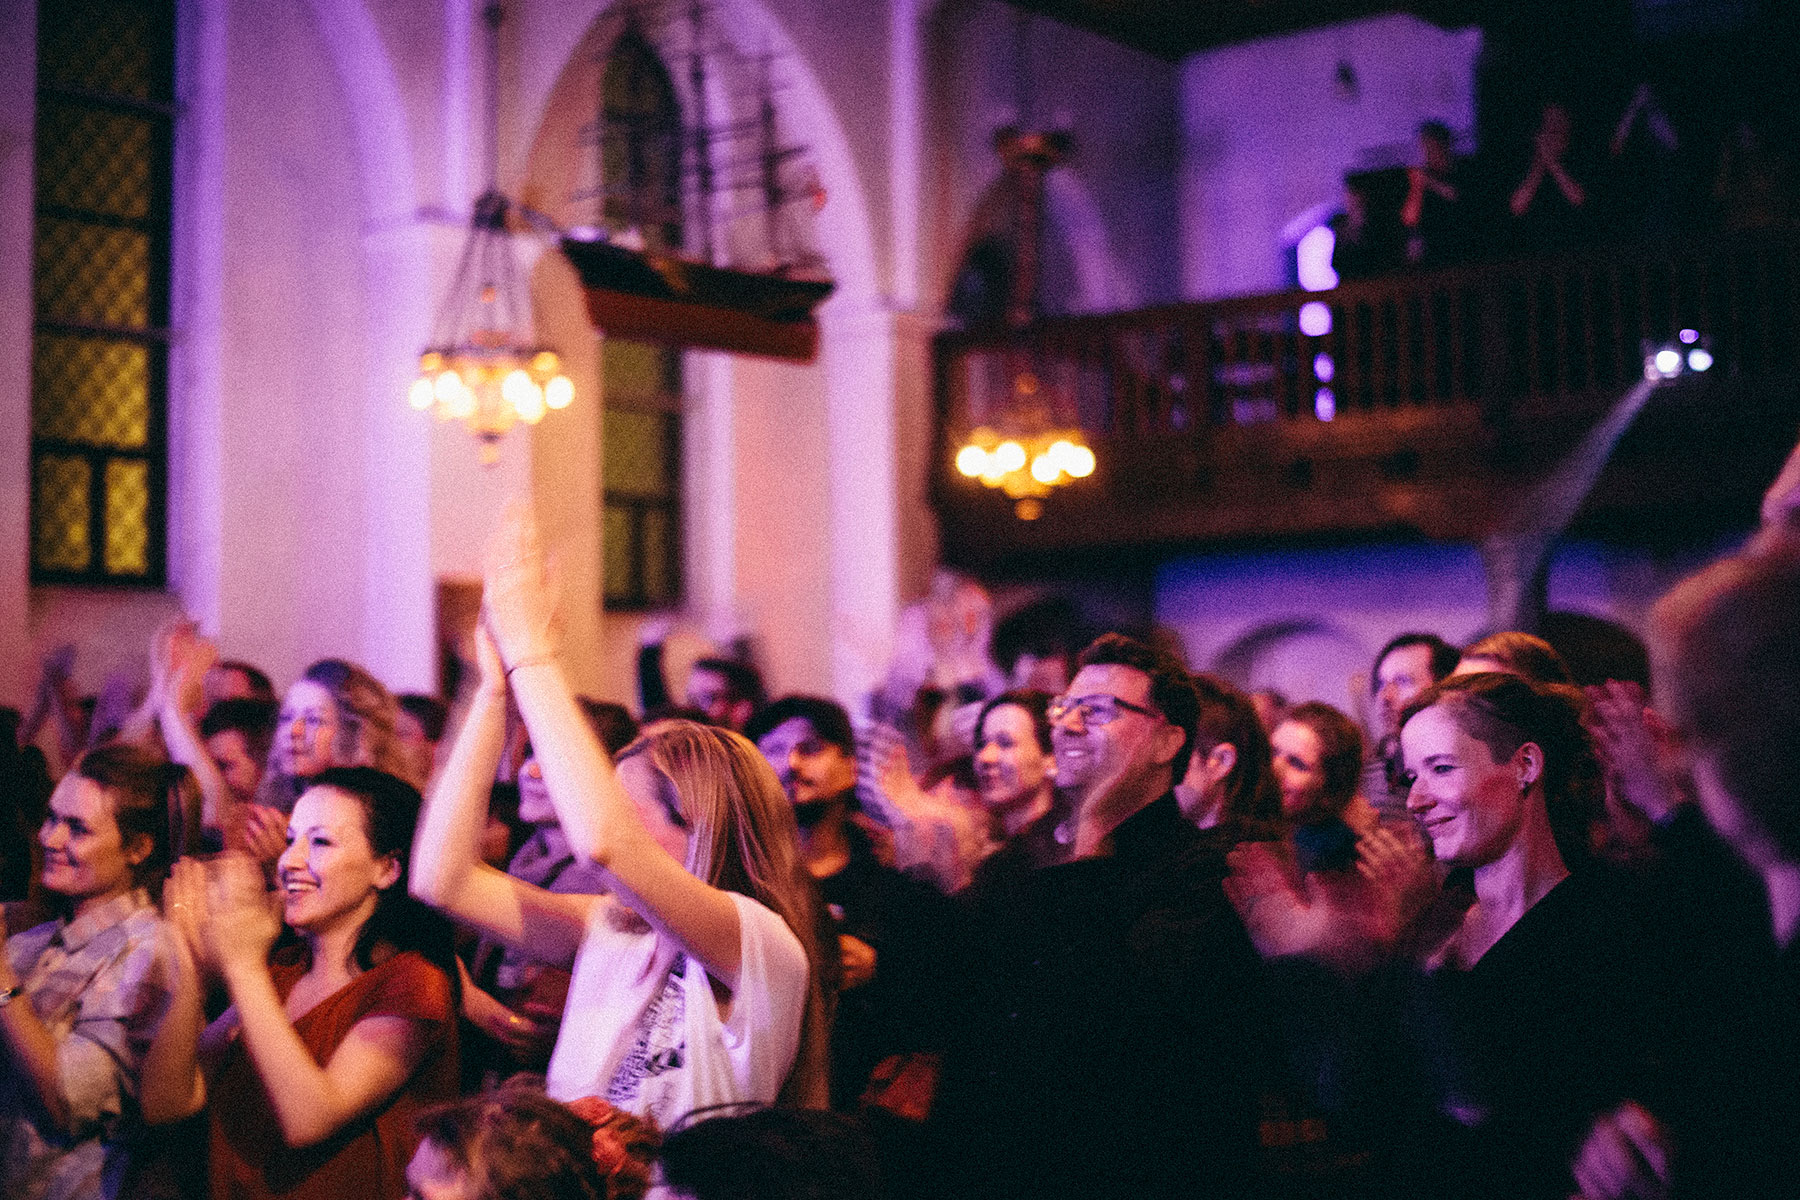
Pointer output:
x,y
530,403
1009,456
1689,336
545,363
972,461
1059,453
446,386
1699,359
430,362
461,405
1081,462
515,389
1323,367
1043,470
420,395
1325,404
559,392
1668,362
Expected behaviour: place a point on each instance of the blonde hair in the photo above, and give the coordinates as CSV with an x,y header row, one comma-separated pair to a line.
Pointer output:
x,y
743,838
367,716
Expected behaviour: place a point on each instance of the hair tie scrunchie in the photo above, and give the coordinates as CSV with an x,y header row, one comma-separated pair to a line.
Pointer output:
x,y
624,1146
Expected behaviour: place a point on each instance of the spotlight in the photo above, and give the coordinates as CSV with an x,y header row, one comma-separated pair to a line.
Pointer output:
x,y
1315,318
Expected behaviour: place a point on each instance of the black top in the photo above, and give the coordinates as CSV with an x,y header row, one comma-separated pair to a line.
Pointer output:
x,y
1549,1028
909,925
1103,1034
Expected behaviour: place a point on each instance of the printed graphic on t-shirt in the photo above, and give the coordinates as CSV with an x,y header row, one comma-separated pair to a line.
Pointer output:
x,y
661,1045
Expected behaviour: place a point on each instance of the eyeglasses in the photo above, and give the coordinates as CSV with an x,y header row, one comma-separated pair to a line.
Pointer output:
x,y
1098,709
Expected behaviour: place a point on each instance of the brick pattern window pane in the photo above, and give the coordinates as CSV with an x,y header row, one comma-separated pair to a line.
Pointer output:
x,y
95,159
112,47
90,389
59,512
91,274
127,517
618,537
636,458
100,260
659,556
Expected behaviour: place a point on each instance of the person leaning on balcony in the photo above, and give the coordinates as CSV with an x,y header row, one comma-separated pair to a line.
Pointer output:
x,y
1435,212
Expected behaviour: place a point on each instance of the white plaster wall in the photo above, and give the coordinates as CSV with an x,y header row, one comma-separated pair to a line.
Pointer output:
x,y
1266,133
294,521
1112,211
18,105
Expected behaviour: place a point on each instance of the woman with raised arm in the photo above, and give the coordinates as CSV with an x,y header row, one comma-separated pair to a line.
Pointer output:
x,y
337,1039
696,976
82,996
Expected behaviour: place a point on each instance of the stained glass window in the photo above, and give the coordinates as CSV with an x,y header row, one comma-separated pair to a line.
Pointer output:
x,y
100,289
640,170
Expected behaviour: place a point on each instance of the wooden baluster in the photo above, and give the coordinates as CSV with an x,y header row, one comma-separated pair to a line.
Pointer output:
x,y
1459,383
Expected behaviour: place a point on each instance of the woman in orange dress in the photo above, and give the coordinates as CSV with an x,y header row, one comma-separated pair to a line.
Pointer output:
x,y
336,1041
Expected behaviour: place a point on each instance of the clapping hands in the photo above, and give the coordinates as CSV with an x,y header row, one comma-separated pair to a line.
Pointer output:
x,y
223,911
519,597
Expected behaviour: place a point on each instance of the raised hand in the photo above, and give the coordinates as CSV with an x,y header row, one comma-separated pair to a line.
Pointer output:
x,y
487,661
518,598
1398,877
241,922
264,834
1627,734
1626,1157
184,905
1265,888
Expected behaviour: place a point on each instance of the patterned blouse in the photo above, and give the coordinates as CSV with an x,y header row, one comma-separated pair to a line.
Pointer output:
x,y
101,985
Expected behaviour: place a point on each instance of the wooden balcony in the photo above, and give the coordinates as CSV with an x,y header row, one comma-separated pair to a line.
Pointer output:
x,y
1427,408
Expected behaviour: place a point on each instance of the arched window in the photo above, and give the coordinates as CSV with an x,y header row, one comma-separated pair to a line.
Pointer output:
x,y
641,148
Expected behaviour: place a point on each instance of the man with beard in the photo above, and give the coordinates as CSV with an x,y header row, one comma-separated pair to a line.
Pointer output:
x,y
1105,1039
889,928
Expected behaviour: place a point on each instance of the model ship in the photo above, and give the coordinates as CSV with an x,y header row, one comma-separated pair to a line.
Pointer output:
x,y
704,237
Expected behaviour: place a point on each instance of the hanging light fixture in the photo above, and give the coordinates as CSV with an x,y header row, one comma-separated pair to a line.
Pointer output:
x,y
484,367
1027,459
1031,454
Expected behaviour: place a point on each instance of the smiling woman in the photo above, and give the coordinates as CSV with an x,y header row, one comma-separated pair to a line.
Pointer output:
x,y
82,997
1543,984
335,715
336,1040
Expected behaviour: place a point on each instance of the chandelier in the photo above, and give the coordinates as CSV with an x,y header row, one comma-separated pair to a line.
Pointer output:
x,y
1029,461
483,366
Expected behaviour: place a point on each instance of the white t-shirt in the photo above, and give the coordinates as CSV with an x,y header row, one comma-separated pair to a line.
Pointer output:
x,y
650,1040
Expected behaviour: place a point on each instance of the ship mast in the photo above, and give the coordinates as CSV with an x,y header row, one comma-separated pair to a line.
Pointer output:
x,y
771,168
702,137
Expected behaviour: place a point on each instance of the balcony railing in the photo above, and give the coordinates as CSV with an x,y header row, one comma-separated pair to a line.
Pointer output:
x,y
1402,401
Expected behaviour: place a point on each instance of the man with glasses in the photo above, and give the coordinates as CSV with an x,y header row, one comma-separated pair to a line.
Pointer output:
x,y
1103,1046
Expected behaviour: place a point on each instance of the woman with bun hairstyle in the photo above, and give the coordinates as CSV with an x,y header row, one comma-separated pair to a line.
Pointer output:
x,y
1541,990
696,976
83,996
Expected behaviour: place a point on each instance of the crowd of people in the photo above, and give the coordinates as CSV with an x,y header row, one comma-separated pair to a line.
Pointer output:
x,y
1638,178
1067,919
